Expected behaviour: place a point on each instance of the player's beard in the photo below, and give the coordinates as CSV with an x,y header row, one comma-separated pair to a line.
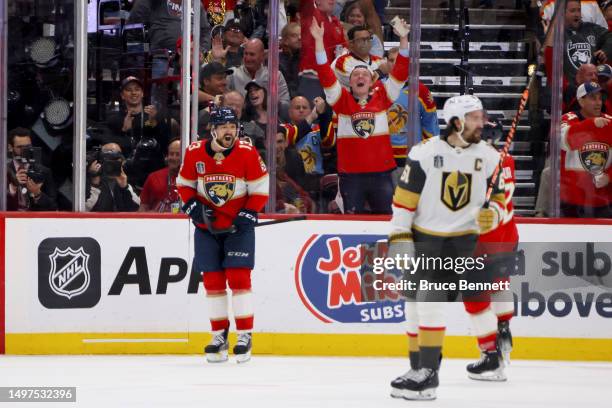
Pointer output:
x,y
472,135
226,140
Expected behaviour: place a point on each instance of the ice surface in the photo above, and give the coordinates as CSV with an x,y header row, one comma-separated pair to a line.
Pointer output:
x,y
188,381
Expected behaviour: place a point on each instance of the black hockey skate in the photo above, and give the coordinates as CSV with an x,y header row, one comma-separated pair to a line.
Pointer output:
x,y
504,340
490,367
418,384
216,351
242,349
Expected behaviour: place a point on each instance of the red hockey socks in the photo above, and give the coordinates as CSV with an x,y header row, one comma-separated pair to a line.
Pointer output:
x,y
216,296
239,280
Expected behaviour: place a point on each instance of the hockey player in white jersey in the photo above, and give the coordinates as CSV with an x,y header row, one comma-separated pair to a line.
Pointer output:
x,y
438,212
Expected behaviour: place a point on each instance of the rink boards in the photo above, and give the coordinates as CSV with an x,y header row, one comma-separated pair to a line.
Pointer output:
x,y
124,284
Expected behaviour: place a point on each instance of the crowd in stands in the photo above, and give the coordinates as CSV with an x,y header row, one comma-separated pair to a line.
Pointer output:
x,y
335,153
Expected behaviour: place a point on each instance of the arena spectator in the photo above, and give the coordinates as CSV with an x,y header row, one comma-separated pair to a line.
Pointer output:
x,y
585,165
398,120
107,188
159,193
334,43
253,69
164,21
365,156
606,8
586,73
140,131
227,49
355,15
588,8
214,81
290,196
604,77
310,138
360,44
584,43
289,57
30,184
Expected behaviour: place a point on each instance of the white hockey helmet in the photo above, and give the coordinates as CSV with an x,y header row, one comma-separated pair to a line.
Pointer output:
x,y
459,106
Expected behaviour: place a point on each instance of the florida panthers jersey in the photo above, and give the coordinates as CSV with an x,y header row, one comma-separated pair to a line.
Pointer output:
x,y
506,231
586,152
363,141
399,123
308,140
443,188
226,182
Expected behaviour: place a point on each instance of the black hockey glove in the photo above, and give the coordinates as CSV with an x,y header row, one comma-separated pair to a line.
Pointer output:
x,y
245,220
196,210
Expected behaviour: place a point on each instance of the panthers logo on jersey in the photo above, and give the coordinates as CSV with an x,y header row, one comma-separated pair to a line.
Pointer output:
x,y
594,156
363,123
456,189
219,188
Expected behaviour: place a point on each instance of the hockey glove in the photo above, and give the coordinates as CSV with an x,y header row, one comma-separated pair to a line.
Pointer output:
x,y
196,210
401,244
488,219
245,220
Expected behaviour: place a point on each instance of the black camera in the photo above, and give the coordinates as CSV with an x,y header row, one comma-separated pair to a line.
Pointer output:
x,y
32,157
112,163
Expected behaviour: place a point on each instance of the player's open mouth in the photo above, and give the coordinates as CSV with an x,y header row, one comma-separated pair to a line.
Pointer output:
x,y
360,84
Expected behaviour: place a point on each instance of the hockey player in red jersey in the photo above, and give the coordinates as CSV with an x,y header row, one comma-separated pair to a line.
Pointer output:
x,y
223,184
365,155
490,313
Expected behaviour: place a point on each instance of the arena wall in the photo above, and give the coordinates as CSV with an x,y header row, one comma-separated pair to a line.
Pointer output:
x,y
86,284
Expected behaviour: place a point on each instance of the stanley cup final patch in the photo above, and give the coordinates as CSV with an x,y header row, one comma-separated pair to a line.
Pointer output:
x,y
363,123
200,168
594,157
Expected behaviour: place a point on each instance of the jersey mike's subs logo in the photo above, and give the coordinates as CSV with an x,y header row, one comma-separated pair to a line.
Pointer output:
x,y
363,123
331,286
594,156
456,189
219,188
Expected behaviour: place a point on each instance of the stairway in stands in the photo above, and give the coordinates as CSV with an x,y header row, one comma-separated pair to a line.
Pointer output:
x,y
500,45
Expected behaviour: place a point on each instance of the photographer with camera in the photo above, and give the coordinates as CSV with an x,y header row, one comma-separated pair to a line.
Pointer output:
x,y
107,188
31,186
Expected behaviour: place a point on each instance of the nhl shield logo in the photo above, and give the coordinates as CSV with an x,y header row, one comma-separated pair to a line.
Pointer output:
x,y
69,275
219,188
363,123
594,157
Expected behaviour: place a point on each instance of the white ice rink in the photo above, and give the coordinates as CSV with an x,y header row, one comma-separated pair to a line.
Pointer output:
x,y
187,381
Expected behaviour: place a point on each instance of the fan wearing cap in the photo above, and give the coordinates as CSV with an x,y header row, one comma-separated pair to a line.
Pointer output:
x,y
365,155
604,77
227,45
438,210
224,182
214,81
586,137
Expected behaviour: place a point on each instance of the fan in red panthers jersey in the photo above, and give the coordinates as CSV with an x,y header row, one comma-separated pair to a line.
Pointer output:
x,y
365,155
223,183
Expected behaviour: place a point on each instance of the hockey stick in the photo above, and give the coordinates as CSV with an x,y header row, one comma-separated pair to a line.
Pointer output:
x,y
519,112
232,228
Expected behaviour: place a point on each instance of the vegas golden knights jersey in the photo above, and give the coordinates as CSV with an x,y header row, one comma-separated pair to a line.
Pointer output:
x,y
443,188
